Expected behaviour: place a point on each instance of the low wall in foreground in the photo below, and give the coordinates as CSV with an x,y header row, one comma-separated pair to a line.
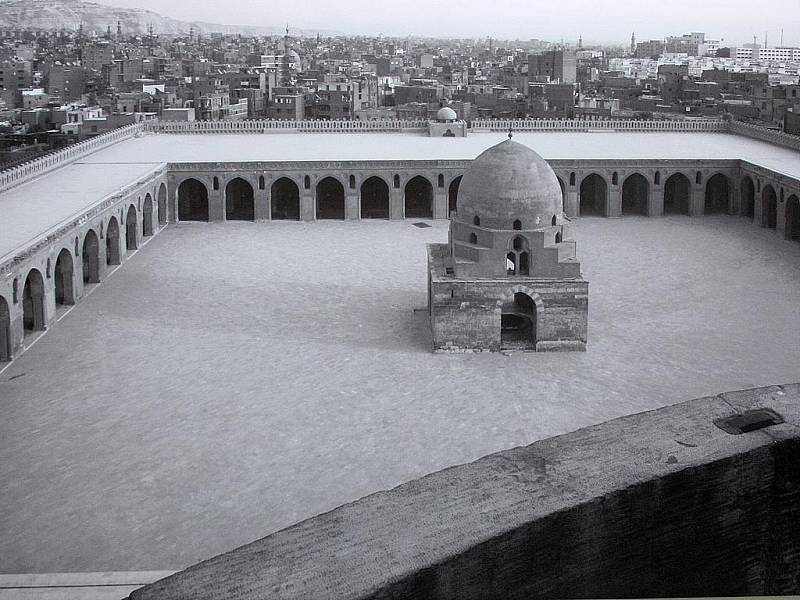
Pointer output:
x,y
663,503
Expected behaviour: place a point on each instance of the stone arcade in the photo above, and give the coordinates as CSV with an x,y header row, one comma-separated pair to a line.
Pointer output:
x,y
508,278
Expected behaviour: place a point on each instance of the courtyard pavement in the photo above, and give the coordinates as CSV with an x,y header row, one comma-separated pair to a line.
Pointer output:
x,y
234,378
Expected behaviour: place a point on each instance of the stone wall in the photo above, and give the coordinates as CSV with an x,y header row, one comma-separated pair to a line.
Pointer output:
x,y
662,503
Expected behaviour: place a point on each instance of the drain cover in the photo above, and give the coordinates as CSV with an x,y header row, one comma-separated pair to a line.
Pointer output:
x,y
750,420
421,225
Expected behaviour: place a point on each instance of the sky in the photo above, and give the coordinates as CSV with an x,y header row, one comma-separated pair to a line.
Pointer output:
x,y
734,21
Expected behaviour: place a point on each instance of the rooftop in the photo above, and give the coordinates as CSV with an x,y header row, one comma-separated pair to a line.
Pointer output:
x,y
31,209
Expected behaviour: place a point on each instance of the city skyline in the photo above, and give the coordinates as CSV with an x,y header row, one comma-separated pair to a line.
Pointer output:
x,y
508,19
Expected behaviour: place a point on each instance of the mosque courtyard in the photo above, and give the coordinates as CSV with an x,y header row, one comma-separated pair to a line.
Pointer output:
x,y
232,378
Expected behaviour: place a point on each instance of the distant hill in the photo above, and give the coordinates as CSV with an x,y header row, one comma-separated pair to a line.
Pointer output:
x,y
69,14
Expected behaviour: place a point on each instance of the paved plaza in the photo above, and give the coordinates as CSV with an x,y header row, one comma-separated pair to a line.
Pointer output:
x,y
234,378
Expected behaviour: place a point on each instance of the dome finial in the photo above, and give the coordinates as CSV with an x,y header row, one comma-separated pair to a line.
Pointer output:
x,y
510,135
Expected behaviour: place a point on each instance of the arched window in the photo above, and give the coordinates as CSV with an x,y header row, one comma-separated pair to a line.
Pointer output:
x,y
473,238
657,178
76,247
396,181
698,178
518,257
261,182
553,220
476,220
47,269
614,178
517,225
440,180
572,178
307,182
352,182
15,290
558,237
216,183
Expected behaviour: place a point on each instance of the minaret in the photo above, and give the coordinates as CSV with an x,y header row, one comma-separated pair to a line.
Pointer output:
x,y
119,31
633,43
580,42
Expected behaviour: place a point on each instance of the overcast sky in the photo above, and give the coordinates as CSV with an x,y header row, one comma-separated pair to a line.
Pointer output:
x,y
735,21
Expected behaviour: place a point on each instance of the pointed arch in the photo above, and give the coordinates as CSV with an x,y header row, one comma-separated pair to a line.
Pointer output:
x,y
91,258
330,199
162,204
131,243
239,200
717,196
5,331
635,193
112,242
593,194
33,317
285,200
452,195
677,192
64,279
374,198
147,216
418,198
192,200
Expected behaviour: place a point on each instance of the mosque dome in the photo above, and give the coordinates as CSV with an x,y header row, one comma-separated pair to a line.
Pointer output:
x,y
510,182
446,114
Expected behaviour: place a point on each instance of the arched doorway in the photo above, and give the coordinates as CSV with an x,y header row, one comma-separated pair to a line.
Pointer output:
x,y
677,189
635,190
330,199
5,331
147,216
112,242
716,195
518,324
130,229
793,218
91,258
593,196
239,201
33,302
418,200
769,207
65,291
162,205
192,201
285,200
374,199
748,193
452,195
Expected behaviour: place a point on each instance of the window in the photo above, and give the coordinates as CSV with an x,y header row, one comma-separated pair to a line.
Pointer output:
x,y
15,291
473,238
572,179
261,182
307,182
614,178
657,178
698,178
441,180
476,220
397,181
352,182
216,182
517,224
